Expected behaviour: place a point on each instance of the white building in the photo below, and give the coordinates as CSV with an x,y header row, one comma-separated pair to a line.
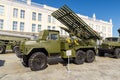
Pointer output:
x,y
26,16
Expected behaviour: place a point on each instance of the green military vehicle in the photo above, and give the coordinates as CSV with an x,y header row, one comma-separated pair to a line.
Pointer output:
x,y
80,46
9,40
110,45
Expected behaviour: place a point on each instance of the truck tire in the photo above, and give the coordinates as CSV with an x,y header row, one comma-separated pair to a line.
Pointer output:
x,y
80,57
17,52
90,56
37,61
101,53
2,49
25,61
13,49
117,53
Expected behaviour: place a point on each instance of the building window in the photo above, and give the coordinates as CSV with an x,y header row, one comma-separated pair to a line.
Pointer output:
x,y
104,29
39,16
1,24
92,26
15,12
33,27
1,10
49,19
22,15
53,20
98,28
14,25
104,35
21,26
61,31
39,28
109,30
53,28
33,16
49,27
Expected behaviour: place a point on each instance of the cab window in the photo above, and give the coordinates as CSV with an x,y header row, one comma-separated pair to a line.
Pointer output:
x,y
53,37
112,39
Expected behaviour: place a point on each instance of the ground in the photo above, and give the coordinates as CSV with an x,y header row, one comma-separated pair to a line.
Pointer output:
x,y
103,68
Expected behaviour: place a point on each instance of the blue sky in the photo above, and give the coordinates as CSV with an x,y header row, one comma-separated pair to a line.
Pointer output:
x,y
104,9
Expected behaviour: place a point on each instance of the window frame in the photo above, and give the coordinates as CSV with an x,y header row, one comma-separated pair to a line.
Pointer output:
x,y
2,10
15,12
33,27
39,27
49,18
22,25
39,17
49,27
53,36
33,15
22,14
15,24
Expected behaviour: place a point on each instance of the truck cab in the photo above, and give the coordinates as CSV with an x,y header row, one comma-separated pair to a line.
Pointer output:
x,y
50,38
45,40
110,45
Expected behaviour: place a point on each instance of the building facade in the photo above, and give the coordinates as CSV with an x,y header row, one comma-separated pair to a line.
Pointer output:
x,y
26,16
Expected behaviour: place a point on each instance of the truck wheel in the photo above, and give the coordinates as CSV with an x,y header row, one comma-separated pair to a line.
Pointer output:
x,y
13,49
90,56
80,57
25,61
17,52
117,53
37,61
100,53
2,49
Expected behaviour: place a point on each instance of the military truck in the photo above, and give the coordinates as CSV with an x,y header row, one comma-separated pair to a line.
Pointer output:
x,y
11,40
110,45
79,46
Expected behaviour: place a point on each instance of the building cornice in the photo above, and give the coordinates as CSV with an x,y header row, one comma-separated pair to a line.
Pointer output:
x,y
44,8
33,6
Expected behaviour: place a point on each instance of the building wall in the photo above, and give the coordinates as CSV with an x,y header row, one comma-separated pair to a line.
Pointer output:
x,y
103,27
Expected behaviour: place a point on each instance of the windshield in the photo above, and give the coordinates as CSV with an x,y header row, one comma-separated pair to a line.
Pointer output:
x,y
40,34
35,37
112,39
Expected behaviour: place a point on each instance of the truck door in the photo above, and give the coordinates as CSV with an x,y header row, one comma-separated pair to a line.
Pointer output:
x,y
54,43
